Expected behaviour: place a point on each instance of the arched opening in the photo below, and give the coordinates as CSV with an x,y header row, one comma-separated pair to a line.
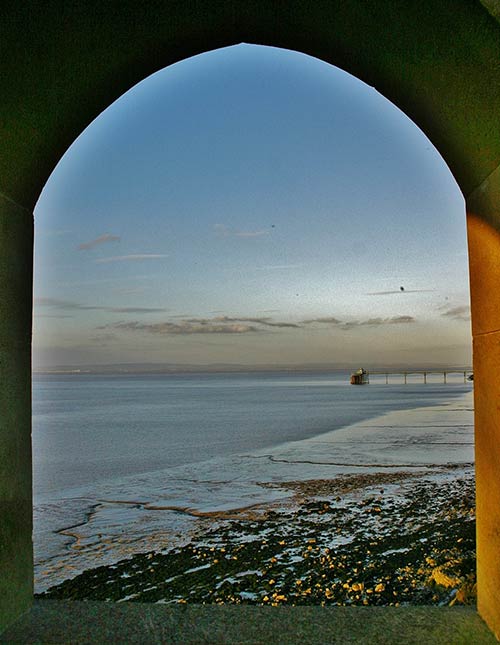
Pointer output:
x,y
448,87
250,211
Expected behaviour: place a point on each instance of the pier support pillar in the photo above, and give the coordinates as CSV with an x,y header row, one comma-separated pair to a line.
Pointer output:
x,y
483,224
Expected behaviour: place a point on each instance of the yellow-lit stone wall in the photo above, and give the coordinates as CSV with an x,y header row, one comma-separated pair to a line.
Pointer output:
x,y
483,225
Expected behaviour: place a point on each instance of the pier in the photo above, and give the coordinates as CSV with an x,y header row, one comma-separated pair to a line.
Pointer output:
x,y
424,373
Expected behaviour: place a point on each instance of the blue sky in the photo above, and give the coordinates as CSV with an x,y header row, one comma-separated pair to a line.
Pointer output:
x,y
251,205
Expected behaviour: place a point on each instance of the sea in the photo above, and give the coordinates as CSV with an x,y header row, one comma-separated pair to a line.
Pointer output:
x,y
107,449
92,428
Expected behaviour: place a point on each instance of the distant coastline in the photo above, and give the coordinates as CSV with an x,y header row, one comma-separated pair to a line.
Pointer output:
x,y
229,368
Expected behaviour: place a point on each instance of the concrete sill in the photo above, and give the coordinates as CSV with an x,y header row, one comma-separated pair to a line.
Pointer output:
x,y
76,622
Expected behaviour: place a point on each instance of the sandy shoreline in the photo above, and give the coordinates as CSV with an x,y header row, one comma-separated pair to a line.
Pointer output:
x,y
395,492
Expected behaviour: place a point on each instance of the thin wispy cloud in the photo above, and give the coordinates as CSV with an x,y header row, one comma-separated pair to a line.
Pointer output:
x,y
135,310
377,322
102,239
250,233
132,291
131,258
66,305
56,303
258,320
103,339
279,267
457,313
434,348
395,320
224,231
400,291
114,280
217,325
328,320
239,325
184,327
353,324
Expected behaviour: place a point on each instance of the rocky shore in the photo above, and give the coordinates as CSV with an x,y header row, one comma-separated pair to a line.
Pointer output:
x,y
402,537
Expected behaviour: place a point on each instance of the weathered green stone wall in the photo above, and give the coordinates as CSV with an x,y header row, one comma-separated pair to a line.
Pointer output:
x,y
16,567
64,61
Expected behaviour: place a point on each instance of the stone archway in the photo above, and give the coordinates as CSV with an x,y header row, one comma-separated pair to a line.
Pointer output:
x,y
64,62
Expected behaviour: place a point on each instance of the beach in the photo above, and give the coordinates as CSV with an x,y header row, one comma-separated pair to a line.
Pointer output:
x,y
380,512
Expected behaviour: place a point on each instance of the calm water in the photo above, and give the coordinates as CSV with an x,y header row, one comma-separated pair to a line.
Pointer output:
x,y
89,428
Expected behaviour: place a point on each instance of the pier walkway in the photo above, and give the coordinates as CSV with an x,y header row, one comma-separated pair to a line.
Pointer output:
x,y
424,373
